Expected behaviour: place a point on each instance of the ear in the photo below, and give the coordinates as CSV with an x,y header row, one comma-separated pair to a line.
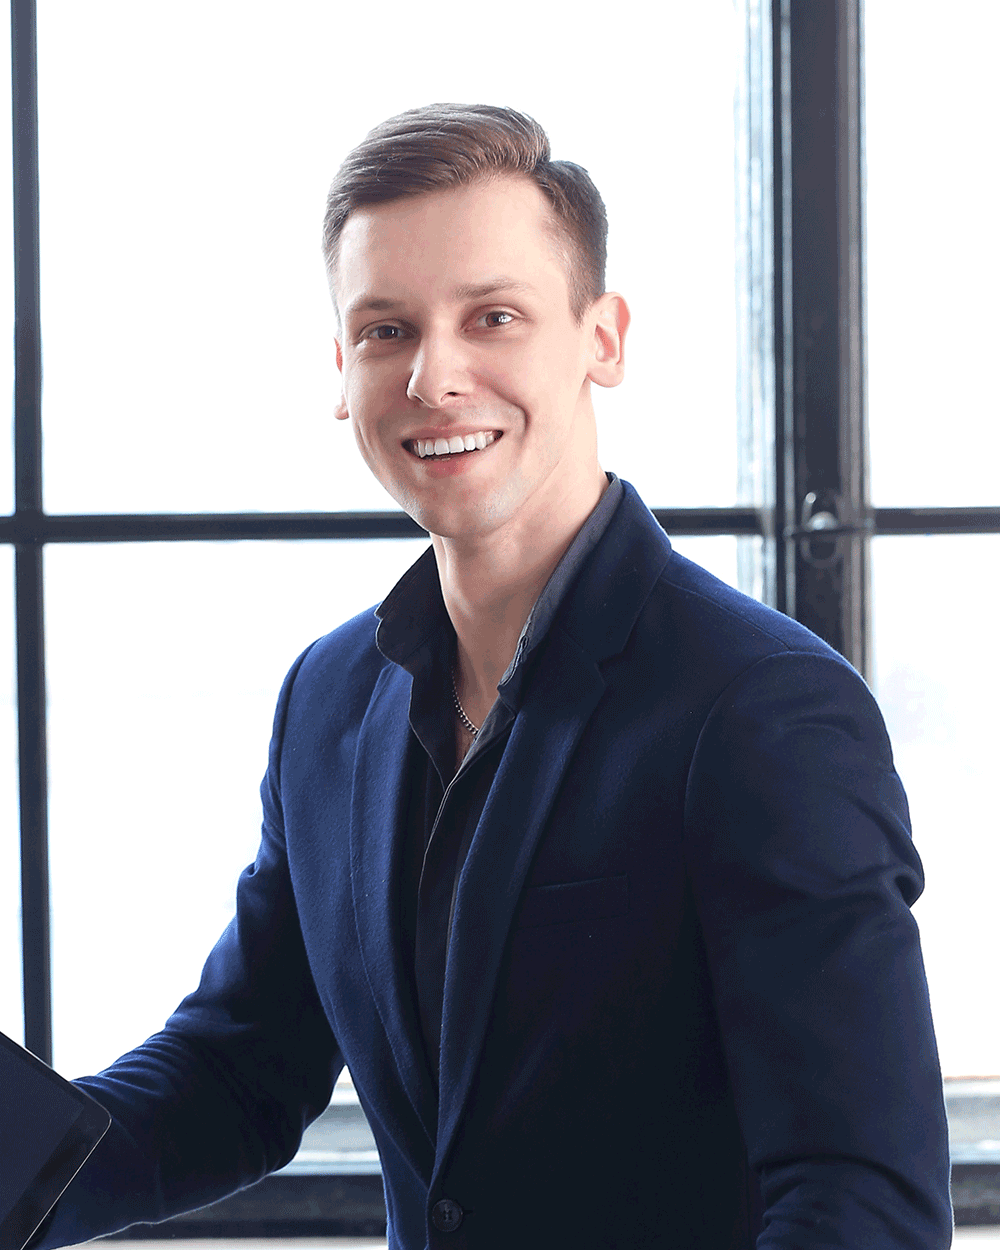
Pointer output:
x,y
607,362
340,408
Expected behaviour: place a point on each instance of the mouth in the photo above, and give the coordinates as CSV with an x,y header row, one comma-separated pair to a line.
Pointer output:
x,y
452,448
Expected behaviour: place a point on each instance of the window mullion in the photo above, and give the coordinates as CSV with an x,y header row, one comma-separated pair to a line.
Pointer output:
x,y
32,762
823,448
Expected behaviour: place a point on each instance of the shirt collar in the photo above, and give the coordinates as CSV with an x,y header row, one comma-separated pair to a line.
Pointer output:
x,y
413,617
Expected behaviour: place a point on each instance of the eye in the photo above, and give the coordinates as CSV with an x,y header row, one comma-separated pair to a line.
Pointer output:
x,y
376,332
509,317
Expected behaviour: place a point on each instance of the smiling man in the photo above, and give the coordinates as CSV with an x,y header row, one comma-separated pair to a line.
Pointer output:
x,y
595,872
458,327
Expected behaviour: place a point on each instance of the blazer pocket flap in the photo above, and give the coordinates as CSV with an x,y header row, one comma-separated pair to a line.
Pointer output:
x,y
597,899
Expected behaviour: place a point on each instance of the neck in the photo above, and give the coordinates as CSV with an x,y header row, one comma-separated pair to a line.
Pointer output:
x,y
490,585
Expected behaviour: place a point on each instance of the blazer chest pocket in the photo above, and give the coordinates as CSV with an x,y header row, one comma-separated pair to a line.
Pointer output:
x,y
597,899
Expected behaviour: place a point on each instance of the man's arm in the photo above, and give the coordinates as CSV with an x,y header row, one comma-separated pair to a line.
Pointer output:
x,y
800,854
221,1096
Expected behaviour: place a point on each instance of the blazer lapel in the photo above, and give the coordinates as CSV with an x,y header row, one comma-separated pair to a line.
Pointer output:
x,y
378,817
563,694
594,623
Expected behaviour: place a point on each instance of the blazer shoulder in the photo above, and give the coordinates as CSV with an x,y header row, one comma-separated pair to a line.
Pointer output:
x,y
340,669
708,612
686,614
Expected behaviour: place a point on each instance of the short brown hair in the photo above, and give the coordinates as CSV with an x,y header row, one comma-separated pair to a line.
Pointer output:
x,y
441,146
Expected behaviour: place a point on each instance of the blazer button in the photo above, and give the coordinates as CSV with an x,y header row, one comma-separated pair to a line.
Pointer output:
x,y
446,1215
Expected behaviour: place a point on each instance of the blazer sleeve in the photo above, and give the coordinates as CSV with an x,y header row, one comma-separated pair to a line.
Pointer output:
x,y
804,872
222,1094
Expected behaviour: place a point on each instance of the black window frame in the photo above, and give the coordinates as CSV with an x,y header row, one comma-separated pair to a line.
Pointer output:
x,y
809,515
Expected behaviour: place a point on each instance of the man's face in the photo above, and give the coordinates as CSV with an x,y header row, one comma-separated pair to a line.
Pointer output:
x,y
456,321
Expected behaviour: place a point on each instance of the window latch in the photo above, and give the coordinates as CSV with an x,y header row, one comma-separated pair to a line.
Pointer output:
x,y
820,523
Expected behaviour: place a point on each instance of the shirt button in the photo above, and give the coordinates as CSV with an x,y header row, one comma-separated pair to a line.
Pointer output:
x,y
446,1215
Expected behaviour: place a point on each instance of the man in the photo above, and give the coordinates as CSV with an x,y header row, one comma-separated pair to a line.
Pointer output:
x,y
596,873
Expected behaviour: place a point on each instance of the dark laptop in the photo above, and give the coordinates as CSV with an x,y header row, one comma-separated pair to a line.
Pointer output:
x,y
47,1130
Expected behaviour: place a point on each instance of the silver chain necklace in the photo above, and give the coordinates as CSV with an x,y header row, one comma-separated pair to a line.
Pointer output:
x,y
461,710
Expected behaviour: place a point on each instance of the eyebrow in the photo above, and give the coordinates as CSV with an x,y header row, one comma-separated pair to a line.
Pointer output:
x,y
468,290
479,290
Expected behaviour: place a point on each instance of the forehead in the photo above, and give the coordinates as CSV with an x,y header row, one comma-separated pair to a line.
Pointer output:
x,y
427,245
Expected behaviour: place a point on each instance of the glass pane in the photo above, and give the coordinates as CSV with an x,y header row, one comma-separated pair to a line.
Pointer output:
x,y
164,664
11,1014
715,552
188,334
939,689
933,253
6,274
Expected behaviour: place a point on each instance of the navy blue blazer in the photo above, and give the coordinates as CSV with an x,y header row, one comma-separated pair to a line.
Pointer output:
x,y
684,1003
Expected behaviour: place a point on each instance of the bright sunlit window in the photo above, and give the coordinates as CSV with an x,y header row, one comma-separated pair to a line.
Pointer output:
x,y
933,325
189,366
186,148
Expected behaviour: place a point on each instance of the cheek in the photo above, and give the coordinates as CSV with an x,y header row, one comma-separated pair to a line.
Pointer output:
x,y
367,398
529,379
555,366
359,413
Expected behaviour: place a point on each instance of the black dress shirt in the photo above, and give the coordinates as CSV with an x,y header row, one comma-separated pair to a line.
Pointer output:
x,y
444,807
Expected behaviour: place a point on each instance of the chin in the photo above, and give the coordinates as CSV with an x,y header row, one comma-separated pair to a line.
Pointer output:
x,y
415,507
453,521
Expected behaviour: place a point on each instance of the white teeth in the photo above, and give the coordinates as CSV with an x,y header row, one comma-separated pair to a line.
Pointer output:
x,y
451,446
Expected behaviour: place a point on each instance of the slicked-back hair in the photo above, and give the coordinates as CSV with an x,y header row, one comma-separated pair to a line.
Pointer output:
x,y
441,146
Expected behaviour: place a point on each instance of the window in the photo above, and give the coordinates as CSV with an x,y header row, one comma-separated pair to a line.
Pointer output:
x,y
933,264
191,517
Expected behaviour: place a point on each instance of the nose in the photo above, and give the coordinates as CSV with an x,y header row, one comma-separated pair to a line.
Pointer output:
x,y
439,372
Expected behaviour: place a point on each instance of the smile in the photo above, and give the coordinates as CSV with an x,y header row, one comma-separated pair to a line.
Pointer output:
x,y
424,447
